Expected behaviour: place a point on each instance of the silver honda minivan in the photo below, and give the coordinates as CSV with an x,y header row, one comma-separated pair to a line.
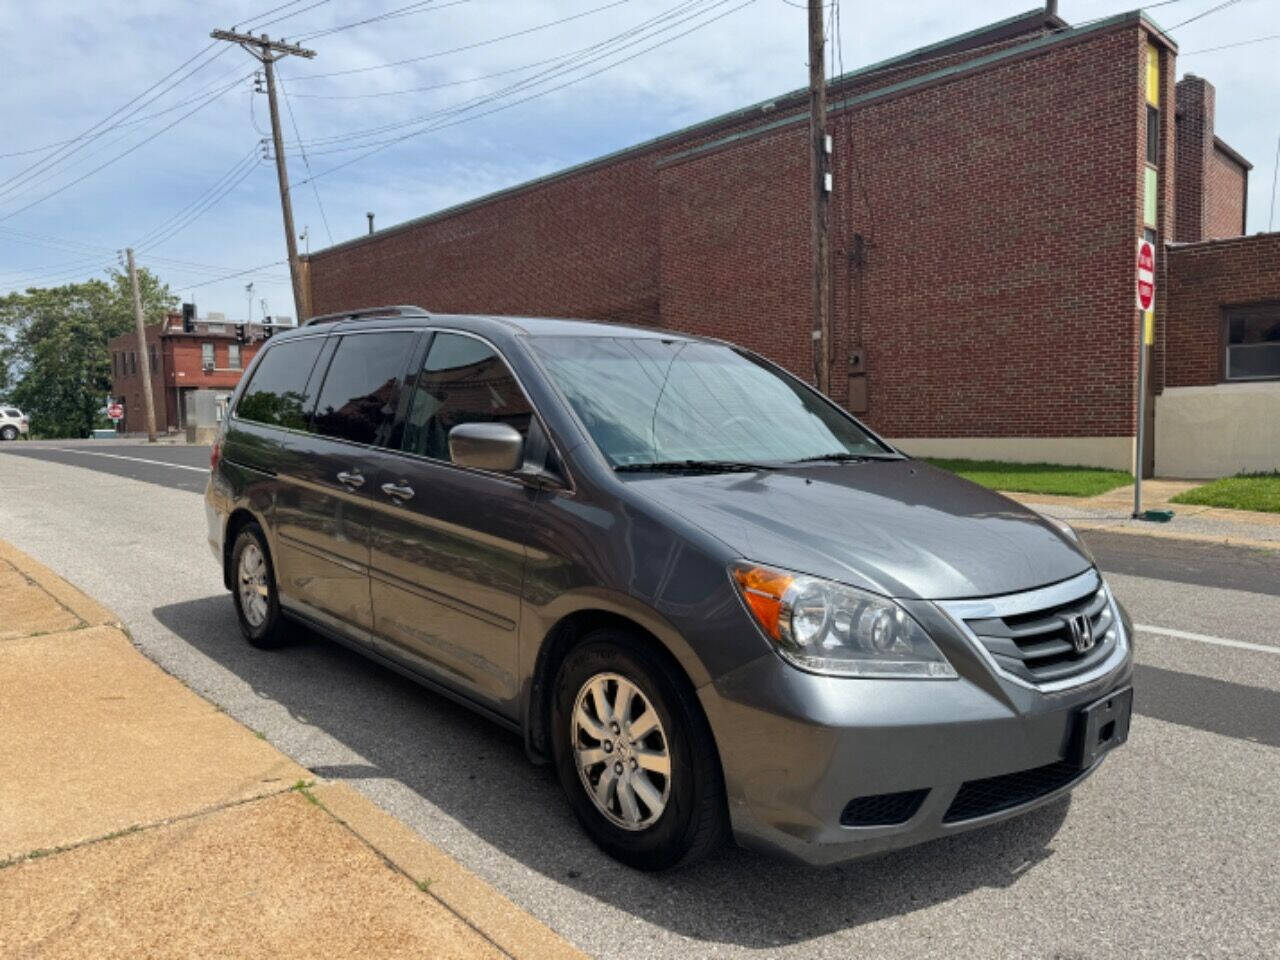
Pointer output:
x,y
716,602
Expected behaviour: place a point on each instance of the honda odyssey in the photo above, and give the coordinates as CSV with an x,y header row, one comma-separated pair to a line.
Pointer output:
x,y
712,599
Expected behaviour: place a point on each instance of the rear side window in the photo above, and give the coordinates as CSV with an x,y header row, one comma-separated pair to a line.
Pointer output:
x,y
277,394
362,388
10,412
462,381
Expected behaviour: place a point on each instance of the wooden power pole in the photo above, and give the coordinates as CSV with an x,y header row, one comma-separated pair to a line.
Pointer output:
x,y
267,52
143,354
819,161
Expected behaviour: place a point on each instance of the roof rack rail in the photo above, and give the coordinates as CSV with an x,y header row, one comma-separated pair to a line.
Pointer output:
x,y
368,313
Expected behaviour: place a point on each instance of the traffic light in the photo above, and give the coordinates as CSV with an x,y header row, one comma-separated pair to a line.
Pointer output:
x,y
188,318
240,332
268,328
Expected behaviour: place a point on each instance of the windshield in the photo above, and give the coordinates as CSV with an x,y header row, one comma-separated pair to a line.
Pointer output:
x,y
664,401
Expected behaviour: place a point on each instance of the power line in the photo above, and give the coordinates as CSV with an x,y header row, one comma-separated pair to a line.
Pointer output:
x,y
195,214
319,3
420,7
563,65
1199,16
62,153
469,46
52,174
238,273
140,143
306,161
1229,46
129,123
507,106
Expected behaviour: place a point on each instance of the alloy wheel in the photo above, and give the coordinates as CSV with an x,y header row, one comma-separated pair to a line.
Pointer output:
x,y
621,751
253,585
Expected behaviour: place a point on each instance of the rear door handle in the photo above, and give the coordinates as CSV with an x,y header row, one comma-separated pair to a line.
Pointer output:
x,y
398,492
351,479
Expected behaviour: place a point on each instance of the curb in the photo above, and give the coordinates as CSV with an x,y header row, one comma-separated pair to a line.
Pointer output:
x,y
85,608
475,903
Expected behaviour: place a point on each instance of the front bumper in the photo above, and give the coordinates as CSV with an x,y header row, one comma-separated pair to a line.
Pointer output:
x,y
796,748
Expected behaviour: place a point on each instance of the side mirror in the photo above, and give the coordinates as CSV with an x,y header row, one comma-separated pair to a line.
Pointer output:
x,y
486,446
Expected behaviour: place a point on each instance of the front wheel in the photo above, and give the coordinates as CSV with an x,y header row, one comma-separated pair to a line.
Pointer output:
x,y
635,755
253,588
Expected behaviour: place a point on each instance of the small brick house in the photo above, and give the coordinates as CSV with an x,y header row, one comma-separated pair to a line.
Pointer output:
x,y
988,194
192,373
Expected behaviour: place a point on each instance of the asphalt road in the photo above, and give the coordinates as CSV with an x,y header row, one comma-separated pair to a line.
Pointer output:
x,y
1170,850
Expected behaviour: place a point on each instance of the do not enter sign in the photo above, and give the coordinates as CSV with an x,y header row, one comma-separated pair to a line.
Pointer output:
x,y
1146,274
115,411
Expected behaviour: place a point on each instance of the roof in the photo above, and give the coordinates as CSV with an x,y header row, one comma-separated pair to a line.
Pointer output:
x,y
1231,153
1042,29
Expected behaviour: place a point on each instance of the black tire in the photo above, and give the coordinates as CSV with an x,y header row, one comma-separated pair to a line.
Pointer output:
x,y
267,629
694,820
9,433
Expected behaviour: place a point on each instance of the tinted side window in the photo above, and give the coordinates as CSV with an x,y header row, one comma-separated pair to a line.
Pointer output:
x,y
462,381
277,394
362,388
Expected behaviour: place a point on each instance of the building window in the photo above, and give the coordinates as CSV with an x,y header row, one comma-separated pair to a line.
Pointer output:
x,y
1153,135
1253,342
206,356
133,363
115,363
151,354
233,356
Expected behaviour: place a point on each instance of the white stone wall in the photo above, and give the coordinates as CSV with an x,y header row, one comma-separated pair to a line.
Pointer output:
x,y
1217,431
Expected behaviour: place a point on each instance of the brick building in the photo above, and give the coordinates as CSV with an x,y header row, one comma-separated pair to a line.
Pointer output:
x,y
191,372
988,194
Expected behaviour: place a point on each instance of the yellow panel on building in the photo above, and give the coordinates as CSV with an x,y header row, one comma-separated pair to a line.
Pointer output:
x,y
1153,75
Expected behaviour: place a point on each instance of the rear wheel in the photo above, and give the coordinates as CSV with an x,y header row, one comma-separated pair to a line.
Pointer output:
x,y
253,588
9,433
635,755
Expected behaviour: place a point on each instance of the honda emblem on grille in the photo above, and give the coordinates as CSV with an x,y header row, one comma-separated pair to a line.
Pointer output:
x,y
1081,632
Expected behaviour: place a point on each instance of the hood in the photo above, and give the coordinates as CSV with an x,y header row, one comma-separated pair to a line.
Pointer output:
x,y
901,528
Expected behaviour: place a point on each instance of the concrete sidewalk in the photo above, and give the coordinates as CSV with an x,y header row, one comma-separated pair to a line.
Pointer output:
x,y
138,820
1113,511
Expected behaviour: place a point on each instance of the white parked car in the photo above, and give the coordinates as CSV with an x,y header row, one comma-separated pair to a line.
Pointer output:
x,y
13,423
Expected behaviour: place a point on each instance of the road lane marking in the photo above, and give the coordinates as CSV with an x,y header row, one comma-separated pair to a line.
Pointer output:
x,y
1206,638
116,456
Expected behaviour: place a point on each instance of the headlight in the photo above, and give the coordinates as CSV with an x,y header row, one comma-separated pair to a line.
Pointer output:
x,y
829,628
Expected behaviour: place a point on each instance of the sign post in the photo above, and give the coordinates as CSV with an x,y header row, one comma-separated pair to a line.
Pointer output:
x,y
1146,289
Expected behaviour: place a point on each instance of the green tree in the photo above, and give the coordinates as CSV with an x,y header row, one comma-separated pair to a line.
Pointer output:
x,y
54,361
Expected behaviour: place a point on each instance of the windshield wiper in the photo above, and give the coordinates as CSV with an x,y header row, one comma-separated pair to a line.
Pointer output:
x,y
848,457
704,466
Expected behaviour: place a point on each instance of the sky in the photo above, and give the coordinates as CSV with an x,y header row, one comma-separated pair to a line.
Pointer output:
x,y
180,174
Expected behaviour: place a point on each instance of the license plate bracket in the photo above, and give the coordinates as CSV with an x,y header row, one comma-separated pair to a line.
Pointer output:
x,y
1102,726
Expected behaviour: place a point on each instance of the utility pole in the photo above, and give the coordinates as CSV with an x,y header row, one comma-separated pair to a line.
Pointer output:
x,y
267,52
819,239
147,400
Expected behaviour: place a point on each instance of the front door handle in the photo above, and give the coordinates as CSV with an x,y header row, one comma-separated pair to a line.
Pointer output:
x,y
351,479
398,492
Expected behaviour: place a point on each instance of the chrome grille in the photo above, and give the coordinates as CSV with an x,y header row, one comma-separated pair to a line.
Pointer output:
x,y
1038,646
1030,638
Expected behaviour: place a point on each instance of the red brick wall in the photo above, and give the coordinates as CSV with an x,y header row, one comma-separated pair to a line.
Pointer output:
x,y
1224,197
735,247
1202,279
996,294
581,246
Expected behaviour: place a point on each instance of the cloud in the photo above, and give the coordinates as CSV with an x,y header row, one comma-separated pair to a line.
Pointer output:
x,y
98,57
